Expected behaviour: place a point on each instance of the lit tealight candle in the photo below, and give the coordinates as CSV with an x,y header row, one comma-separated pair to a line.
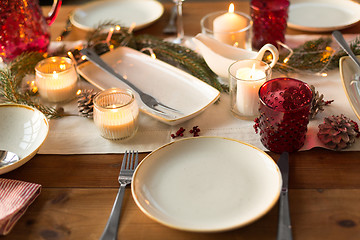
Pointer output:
x,y
56,79
116,114
230,28
247,79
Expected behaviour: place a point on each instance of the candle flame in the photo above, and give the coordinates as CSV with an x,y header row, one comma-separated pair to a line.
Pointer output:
x,y
231,8
62,66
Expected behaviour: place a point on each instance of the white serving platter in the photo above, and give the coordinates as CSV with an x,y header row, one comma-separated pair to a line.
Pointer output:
x,y
322,15
206,184
125,12
169,85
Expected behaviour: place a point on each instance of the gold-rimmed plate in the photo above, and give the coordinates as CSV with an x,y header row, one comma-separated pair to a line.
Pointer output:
x,y
206,184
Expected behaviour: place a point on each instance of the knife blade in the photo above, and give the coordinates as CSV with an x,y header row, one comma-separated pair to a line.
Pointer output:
x,y
284,225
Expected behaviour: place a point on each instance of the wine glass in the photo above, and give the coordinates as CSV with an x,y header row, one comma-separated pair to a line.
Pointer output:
x,y
179,23
179,39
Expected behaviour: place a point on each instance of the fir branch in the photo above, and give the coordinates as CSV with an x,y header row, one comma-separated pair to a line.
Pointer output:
x,y
10,79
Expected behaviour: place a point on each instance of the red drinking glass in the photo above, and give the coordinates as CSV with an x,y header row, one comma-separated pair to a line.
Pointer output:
x,y
284,114
23,28
269,21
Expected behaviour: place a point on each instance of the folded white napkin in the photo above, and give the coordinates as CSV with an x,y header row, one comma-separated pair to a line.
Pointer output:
x,y
15,197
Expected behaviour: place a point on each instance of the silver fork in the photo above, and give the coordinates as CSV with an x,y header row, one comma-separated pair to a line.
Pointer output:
x,y
148,100
129,163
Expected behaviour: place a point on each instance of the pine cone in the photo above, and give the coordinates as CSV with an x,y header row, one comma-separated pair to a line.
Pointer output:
x,y
85,103
318,103
338,132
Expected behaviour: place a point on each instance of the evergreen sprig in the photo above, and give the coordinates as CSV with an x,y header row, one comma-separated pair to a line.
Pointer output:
x,y
10,83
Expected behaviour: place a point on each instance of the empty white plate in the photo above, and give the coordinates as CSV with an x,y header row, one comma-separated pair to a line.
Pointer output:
x,y
206,184
322,15
125,12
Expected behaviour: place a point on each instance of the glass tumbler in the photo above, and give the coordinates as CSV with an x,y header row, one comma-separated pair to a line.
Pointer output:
x,y
56,79
269,21
246,77
116,114
284,114
238,34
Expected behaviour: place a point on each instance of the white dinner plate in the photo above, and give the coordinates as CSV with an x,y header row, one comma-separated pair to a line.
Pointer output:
x,y
323,15
206,184
23,130
169,85
125,12
348,71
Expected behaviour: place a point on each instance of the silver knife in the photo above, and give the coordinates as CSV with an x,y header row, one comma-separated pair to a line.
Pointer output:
x,y
284,227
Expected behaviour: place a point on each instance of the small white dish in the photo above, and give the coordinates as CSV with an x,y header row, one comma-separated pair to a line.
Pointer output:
x,y
206,184
126,12
349,71
169,85
219,56
23,130
322,15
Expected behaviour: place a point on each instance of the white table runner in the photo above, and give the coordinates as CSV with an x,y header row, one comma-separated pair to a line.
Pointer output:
x,y
78,135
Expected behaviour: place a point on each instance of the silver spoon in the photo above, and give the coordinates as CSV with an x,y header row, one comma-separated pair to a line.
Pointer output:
x,y
341,41
7,158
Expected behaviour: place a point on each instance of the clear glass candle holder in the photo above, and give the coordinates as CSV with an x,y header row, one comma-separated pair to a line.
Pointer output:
x,y
234,28
116,114
246,77
56,79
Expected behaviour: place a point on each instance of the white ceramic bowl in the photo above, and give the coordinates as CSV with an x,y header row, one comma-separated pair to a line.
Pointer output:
x,y
23,130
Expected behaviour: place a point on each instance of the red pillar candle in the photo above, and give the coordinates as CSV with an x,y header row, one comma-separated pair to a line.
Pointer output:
x,y
269,21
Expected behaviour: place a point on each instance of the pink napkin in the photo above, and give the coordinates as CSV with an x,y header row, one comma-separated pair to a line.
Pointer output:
x,y
15,197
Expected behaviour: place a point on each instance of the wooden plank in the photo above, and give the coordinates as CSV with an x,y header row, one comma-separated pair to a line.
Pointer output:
x,y
318,168
62,213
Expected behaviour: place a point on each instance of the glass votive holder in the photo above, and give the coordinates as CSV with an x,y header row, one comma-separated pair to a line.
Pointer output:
x,y
233,28
284,114
56,79
116,114
246,77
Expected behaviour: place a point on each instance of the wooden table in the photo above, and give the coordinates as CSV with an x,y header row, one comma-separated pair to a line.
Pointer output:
x,y
79,190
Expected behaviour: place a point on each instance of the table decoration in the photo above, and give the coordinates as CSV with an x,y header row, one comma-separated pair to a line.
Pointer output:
x,y
24,28
269,21
56,79
230,27
284,114
15,197
338,132
318,103
85,102
116,114
246,77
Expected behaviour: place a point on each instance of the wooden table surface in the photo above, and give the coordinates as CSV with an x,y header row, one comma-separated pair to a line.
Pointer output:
x,y
79,190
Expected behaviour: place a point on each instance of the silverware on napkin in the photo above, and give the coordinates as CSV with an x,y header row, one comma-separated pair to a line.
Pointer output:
x,y
284,227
